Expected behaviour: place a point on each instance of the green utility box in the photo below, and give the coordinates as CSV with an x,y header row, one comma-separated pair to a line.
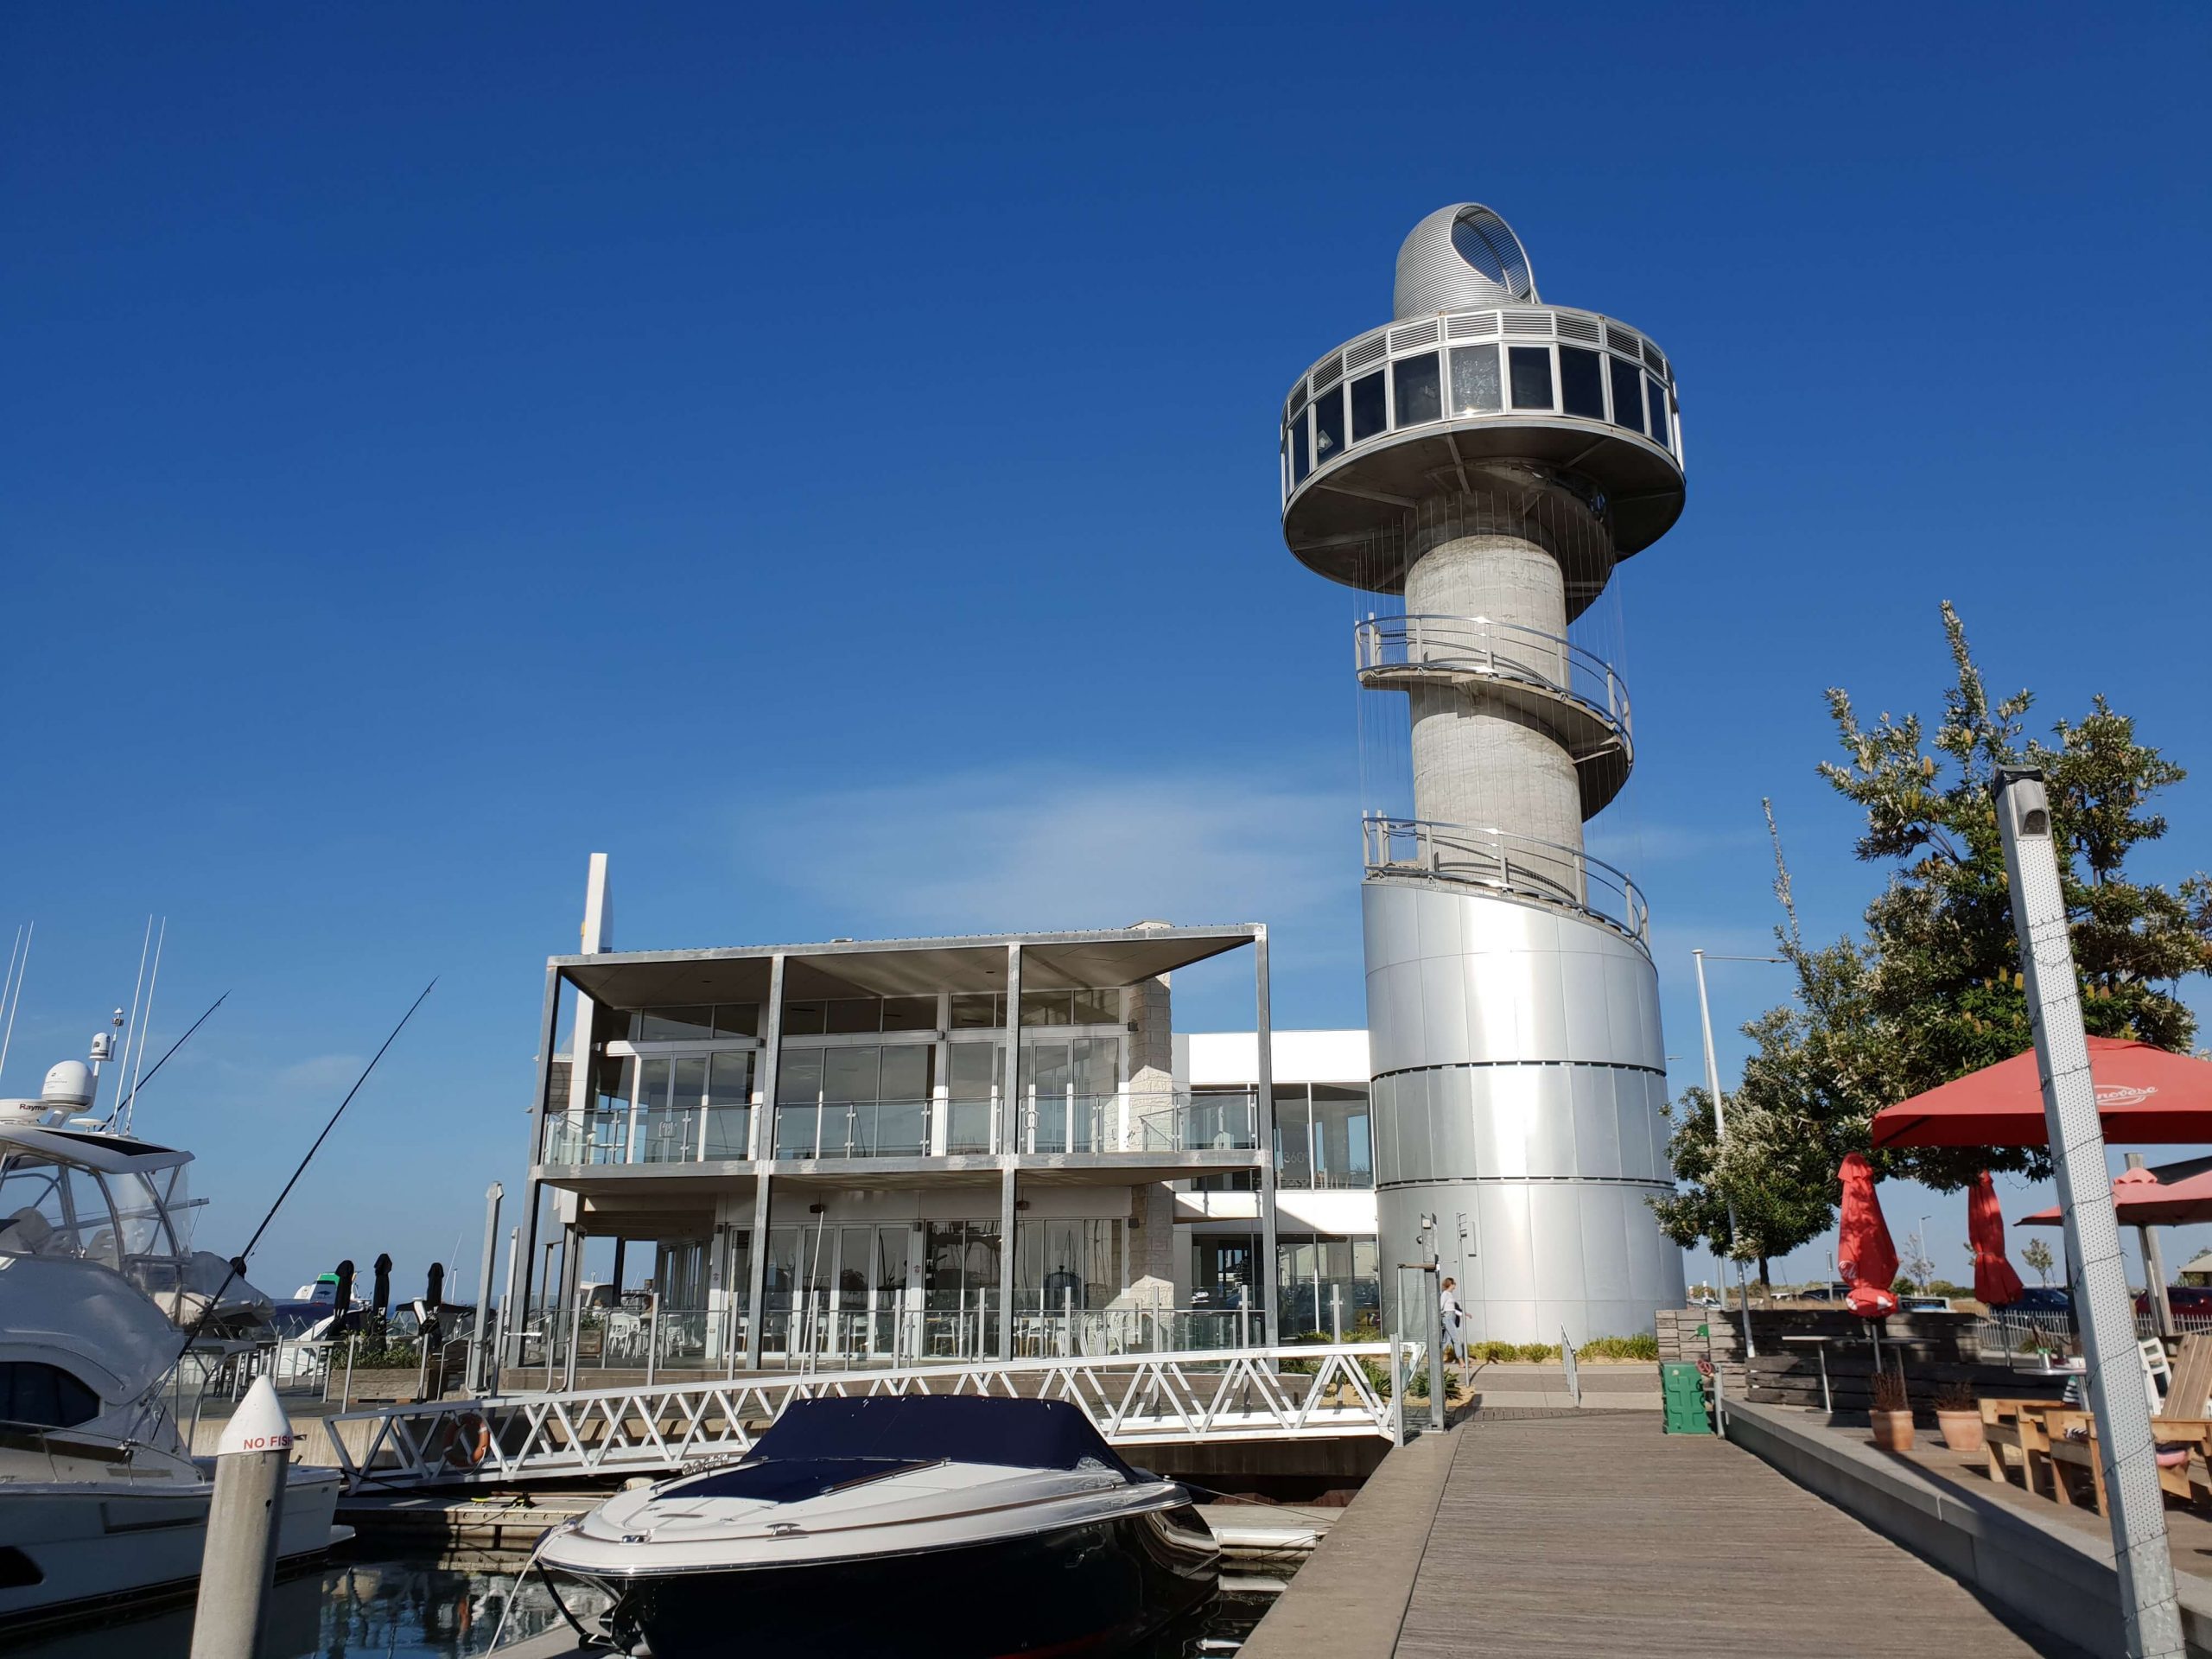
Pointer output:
x,y
1681,1397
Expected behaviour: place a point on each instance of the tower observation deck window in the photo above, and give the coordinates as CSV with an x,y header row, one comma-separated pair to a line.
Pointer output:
x,y
1532,376
1328,426
1370,407
1420,391
1581,383
1300,453
1475,388
1661,428
1628,393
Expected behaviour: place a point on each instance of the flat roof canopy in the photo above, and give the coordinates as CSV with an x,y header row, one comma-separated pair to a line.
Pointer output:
x,y
640,979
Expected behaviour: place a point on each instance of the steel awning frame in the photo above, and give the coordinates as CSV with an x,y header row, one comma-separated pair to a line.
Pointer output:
x,y
973,962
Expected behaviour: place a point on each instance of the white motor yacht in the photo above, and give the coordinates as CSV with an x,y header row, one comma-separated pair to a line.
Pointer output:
x,y
99,1498
924,1526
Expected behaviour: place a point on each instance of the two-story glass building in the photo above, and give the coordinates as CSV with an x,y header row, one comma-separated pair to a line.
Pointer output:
x,y
880,1148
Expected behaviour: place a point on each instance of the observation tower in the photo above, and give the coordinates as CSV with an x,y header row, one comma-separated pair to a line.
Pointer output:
x,y
1478,465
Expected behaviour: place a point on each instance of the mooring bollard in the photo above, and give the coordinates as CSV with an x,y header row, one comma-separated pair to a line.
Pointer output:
x,y
242,1522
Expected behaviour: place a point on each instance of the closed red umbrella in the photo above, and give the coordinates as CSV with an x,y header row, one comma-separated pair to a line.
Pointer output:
x,y
1864,1254
1995,1284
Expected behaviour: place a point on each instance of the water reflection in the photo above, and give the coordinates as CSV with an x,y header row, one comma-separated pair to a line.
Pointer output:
x,y
449,1607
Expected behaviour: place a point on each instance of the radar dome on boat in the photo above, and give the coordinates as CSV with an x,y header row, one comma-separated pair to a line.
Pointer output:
x,y
69,1084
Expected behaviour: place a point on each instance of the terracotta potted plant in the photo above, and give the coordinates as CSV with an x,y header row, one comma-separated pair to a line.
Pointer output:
x,y
1891,1415
1958,1413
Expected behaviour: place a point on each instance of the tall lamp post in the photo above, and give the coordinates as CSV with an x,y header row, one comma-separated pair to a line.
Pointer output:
x,y
1720,1131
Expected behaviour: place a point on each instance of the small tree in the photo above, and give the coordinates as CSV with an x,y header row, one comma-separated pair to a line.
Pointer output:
x,y
2037,1254
1930,991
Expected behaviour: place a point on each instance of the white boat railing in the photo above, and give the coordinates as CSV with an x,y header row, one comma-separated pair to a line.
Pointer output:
x,y
1300,1392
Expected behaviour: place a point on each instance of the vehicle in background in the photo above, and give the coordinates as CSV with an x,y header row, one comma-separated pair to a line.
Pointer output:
x,y
2042,1298
2191,1301
1924,1304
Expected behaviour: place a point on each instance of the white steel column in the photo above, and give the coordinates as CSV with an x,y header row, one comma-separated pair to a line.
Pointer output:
x,y
1266,1274
2150,1610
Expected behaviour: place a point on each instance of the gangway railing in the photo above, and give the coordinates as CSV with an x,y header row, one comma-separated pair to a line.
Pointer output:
x,y
1202,1397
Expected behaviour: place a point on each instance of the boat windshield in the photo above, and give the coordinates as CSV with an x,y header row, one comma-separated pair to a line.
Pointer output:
x,y
930,1428
128,1220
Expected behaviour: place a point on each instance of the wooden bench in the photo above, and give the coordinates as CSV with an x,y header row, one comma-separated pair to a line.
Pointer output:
x,y
2063,1440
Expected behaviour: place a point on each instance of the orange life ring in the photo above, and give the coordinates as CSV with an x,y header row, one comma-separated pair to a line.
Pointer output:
x,y
461,1451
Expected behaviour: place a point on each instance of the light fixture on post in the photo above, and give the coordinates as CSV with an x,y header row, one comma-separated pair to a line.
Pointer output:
x,y
1720,1136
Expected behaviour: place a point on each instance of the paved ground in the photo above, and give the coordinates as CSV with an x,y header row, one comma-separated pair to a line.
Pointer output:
x,y
1595,1534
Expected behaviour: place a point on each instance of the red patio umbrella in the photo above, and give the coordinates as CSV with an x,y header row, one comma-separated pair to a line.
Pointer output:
x,y
1995,1284
2146,1096
2141,1199
1864,1254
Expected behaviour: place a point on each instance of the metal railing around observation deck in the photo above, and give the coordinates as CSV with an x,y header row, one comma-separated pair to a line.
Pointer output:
x,y
1524,866
1385,645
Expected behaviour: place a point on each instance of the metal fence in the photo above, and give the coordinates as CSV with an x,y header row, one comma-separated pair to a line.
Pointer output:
x,y
1046,1121
807,1332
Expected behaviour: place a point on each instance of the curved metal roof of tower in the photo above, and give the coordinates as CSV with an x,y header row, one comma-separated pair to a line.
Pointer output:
x,y
1461,256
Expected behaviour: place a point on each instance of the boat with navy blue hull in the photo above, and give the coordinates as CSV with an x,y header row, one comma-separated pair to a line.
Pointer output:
x,y
927,1527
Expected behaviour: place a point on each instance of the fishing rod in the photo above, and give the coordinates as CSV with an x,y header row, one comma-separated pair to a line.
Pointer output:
x,y
121,1104
237,1261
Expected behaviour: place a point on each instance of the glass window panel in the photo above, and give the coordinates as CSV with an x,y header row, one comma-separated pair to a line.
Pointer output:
x,y
1047,1009
974,1070
810,1132
978,1011
673,1025
782,1265
799,1077
1293,1136
1532,376
851,1015
1341,1155
691,1082
1662,428
729,1083
902,1127
1581,383
1098,1065
1097,1007
910,1014
1475,388
849,1074
737,1019
1419,393
1628,393
805,1019
730,1094
1370,407
653,1092
1045,1066
906,1070
1300,451
1328,426
615,1082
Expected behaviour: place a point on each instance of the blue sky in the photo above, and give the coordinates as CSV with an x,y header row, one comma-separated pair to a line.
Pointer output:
x,y
826,461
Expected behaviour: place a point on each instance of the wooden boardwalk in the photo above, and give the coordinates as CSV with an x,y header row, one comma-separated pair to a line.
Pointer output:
x,y
1596,1534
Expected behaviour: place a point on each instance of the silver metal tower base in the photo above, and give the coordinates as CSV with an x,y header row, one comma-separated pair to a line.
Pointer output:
x,y
1519,1083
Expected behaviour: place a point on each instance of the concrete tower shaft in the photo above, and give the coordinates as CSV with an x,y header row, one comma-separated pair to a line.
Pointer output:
x,y
1490,458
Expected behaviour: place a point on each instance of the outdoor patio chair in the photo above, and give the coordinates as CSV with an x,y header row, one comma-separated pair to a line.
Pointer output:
x,y
2189,1392
2012,1433
2069,1443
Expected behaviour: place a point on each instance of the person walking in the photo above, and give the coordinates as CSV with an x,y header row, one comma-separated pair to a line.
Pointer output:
x,y
1448,1297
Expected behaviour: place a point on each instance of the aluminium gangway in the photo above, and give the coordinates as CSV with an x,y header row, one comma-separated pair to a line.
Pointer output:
x,y
1210,1395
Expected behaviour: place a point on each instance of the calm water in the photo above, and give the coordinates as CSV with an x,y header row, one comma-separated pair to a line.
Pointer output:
x,y
447,1607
